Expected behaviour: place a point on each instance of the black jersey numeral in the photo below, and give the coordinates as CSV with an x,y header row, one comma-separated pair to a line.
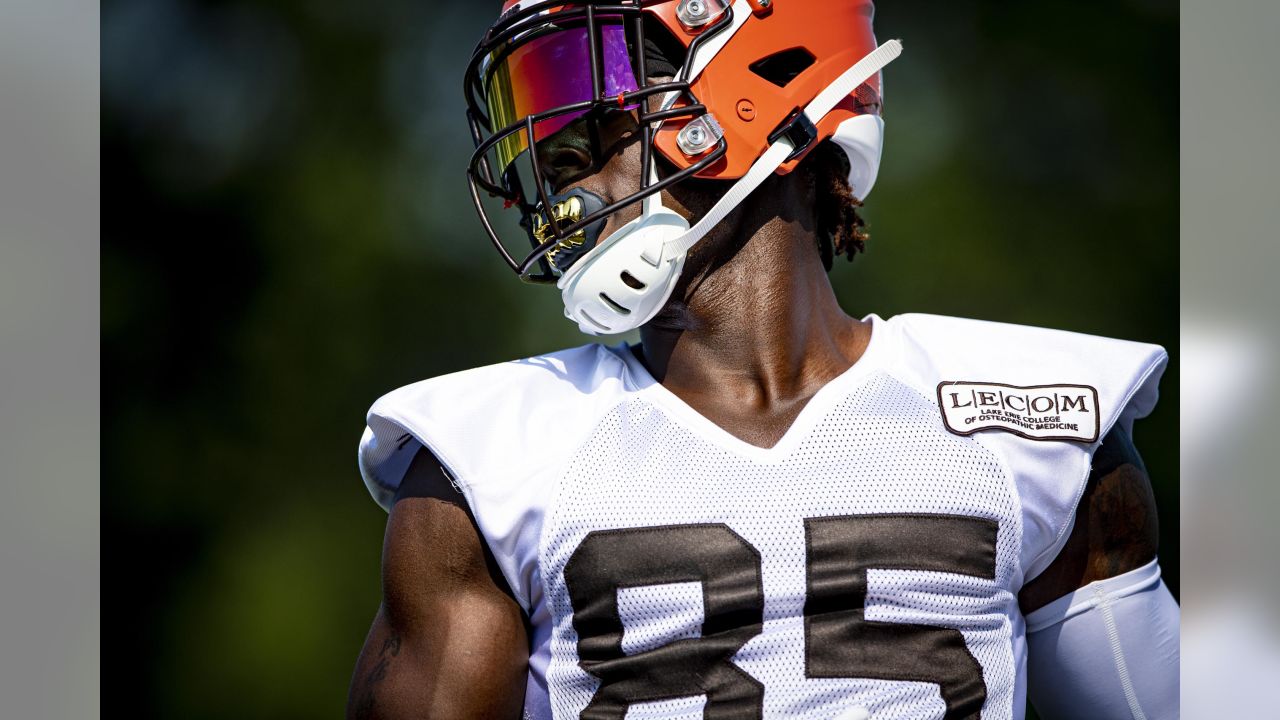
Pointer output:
x,y
839,641
733,605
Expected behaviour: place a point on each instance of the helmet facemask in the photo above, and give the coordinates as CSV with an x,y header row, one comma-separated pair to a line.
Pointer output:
x,y
554,68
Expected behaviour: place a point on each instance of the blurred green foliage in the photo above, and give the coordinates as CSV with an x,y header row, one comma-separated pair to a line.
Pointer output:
x,y
287,236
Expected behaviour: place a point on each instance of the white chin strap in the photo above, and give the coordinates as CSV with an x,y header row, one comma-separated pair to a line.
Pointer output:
x,y
624,281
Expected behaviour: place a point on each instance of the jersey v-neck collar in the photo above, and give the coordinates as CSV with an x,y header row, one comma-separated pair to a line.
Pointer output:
x,y
829,395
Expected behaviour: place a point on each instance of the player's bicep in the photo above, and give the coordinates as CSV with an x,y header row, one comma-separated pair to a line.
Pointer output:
x,y
447,640
1116,528
1102,628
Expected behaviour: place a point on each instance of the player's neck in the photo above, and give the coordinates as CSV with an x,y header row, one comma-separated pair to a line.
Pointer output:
x,y
764,326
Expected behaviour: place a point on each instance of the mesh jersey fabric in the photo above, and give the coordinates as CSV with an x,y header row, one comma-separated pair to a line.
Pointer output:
x,y
566,455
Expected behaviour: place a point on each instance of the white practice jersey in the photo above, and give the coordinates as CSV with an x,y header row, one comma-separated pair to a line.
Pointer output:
x,y
868,564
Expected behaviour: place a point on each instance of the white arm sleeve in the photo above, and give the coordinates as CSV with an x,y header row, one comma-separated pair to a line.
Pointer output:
x,y
1108,650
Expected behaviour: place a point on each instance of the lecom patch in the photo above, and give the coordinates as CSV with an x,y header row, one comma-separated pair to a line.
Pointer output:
x,y
1035,412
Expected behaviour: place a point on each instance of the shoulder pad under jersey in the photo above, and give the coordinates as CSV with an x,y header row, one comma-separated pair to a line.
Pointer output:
x,y
1041,399
500,431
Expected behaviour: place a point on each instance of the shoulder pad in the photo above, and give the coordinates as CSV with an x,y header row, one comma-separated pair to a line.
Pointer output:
x,y
489,424
1094,382
1040,399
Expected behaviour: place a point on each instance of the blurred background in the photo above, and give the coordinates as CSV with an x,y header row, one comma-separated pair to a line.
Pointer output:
x,y
286,235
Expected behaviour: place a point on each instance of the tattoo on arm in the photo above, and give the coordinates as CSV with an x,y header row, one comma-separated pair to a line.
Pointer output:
x,y
390,649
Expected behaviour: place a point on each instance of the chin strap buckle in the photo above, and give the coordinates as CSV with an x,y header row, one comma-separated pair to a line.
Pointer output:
x,y
799,129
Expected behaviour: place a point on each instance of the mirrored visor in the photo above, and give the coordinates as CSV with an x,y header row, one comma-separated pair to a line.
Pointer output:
x,y
552,70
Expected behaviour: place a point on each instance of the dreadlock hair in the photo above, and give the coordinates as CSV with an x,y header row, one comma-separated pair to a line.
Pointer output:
x,y
840,229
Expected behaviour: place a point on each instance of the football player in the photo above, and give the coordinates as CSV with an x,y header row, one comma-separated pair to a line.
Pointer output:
x,y
767,508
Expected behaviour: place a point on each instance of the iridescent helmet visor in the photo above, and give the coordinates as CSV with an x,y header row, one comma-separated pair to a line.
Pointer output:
x,y
531,76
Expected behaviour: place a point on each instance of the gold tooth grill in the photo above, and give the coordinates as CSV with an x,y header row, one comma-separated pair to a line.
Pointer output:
x,y
567,211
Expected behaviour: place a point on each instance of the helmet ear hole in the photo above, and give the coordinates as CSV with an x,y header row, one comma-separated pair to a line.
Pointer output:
x,y
781,68
631,281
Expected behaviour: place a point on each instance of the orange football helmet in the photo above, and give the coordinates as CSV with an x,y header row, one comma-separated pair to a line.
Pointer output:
x,y
747,67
